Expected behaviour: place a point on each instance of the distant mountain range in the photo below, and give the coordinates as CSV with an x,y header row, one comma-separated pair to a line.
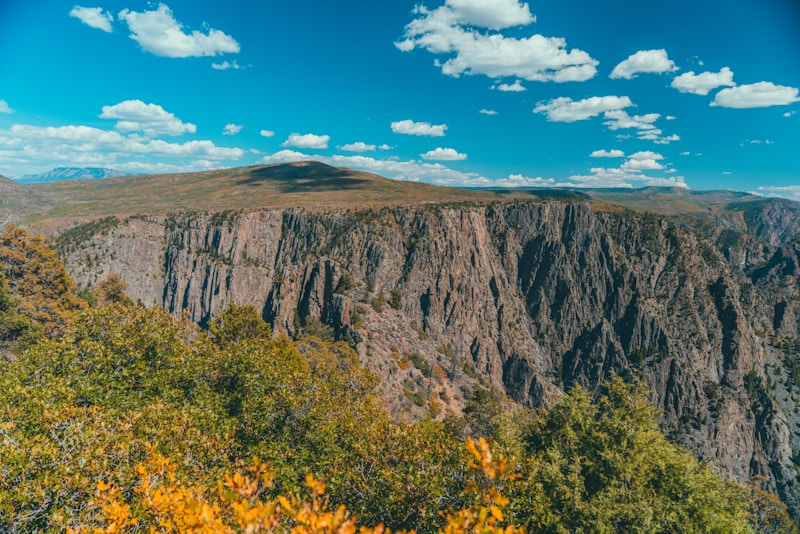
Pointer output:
x,y
72,173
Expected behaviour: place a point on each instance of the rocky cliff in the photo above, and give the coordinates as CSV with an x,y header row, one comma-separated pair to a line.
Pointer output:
x,y
528,297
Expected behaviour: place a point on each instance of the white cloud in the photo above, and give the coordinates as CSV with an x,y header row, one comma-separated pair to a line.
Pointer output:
x,y
451,30
4,107
267,133
641,165
646,154
791,192
757,142
285,156
440,174
307,141
644,61
492,14
443,154
727,173
516,87
564,109
409,127
385,147
515,181
646,160
414,171
30,147
686,153
225,65
670,117
625,178
151,119
607,154
756,95
619,119
703,83
94,17
645,124
159,33
485,111
358,147
232,129
152,167
668,139
787,114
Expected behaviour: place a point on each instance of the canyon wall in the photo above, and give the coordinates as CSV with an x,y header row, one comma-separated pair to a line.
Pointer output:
x,y
529,298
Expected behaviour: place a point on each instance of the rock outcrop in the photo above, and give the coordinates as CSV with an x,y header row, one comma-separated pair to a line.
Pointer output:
x,y
530,297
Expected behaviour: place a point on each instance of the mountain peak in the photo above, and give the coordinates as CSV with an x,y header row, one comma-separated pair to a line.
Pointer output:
x,y
72,173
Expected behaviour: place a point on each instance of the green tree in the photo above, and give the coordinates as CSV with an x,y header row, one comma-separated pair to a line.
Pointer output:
x,y
239,323
313,327
482,410
111,290
395,299
16,331
606,467
346,283
83,407
38,278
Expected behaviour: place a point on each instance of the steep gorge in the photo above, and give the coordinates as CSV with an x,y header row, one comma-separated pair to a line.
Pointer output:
x,y
529,297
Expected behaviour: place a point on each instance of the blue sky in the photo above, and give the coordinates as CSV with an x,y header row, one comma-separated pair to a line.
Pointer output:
x,y
623,93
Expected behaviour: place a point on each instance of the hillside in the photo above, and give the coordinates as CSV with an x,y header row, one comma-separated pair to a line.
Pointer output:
x,y
305,184
316,185
18,201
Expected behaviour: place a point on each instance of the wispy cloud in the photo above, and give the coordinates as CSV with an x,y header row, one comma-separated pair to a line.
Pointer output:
x,y
232,129
786,191
564,109
515,87
226,65
4,108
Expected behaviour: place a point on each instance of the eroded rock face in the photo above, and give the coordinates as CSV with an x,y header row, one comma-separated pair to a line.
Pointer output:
x,y
530,297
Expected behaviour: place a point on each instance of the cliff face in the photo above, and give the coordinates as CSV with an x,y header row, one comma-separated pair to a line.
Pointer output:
x,y
529,297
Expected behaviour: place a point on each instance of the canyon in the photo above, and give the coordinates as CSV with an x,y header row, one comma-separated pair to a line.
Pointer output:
x,y
521,297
